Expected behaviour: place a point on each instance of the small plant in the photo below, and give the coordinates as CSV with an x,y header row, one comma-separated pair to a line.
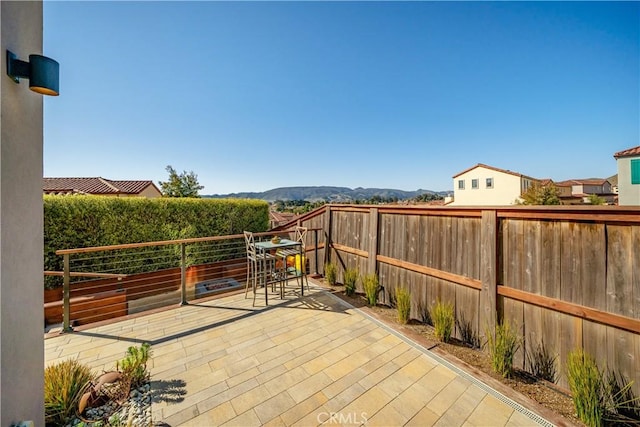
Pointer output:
x,y
350,278
443,320
585,382
624,406
134,365
403,298
467,333
64,384
542,364
371,288
330,273
502,348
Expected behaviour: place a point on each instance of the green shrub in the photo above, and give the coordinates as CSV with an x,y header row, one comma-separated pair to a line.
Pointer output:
x,y
502,348
585,382
350,278
443,320
64,384
134,365
542,364
403,301
84,221
371,288
330,273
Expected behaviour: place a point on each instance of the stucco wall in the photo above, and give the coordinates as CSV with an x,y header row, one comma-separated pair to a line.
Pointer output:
x,y
21,223
628,194
505,191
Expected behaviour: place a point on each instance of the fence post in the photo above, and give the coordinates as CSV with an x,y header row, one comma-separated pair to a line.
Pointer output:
x,y
327,236
183,275
66,300
488,271
372,264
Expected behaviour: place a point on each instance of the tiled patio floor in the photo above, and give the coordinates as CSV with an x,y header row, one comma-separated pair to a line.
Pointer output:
x,y
301,361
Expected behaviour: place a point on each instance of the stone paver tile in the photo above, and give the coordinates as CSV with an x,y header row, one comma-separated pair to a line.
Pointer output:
x,y
519,419
239,366
411,401
344,383
247,419
303,408
466,404
182,416
395,384
214,400
424,418
266,376
250,399
314,418
370,402
242,377
437,379
192,399
379,374
309,386
490,411
166,372
324,360
418,367
213,417
273,407
275,422
387,416
448,395
286,380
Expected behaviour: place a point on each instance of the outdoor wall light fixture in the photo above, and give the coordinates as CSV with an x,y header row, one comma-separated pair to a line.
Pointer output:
x,y
43,73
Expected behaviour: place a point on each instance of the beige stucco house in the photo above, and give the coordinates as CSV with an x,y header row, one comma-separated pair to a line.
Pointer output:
x,y
628,176
100,187
484,185
577,191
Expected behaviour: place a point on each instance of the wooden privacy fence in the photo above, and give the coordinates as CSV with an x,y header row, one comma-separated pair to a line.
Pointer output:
x,y
567,277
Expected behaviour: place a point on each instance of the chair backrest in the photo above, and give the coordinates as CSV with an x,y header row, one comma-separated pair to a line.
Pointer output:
x,y
250,243
301,234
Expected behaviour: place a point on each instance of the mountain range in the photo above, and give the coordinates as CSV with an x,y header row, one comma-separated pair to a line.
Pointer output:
x,y
328,194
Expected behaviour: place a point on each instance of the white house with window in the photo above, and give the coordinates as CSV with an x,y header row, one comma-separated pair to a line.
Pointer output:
x,y
628,176
483,185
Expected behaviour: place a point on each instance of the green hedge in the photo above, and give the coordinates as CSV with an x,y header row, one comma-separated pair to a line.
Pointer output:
x,y
85,221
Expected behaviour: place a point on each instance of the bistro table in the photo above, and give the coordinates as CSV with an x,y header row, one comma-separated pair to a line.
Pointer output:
x,y
266,247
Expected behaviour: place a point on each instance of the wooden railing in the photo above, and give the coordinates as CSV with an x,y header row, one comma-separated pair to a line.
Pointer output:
x,y
105,282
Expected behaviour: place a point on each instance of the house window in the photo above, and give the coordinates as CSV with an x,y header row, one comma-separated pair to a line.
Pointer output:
x,y
489,182
474,183
461,184
635,171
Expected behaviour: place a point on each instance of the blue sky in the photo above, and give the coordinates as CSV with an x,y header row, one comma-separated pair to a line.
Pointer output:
x,y
256,95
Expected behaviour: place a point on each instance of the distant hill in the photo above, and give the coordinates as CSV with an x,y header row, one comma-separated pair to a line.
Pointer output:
x,y
328,194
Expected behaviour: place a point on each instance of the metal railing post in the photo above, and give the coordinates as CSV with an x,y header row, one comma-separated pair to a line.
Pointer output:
x,y
66,300
183,275
315,248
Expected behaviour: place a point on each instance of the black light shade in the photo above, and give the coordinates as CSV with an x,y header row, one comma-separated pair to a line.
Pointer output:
x,y
43,73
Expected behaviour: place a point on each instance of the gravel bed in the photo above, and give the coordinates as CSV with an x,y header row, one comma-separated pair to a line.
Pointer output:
x,y
136,411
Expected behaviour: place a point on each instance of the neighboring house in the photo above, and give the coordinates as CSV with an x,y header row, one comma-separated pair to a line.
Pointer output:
x,y
483,185
100,187
577,191
279,218
628,176
613,179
